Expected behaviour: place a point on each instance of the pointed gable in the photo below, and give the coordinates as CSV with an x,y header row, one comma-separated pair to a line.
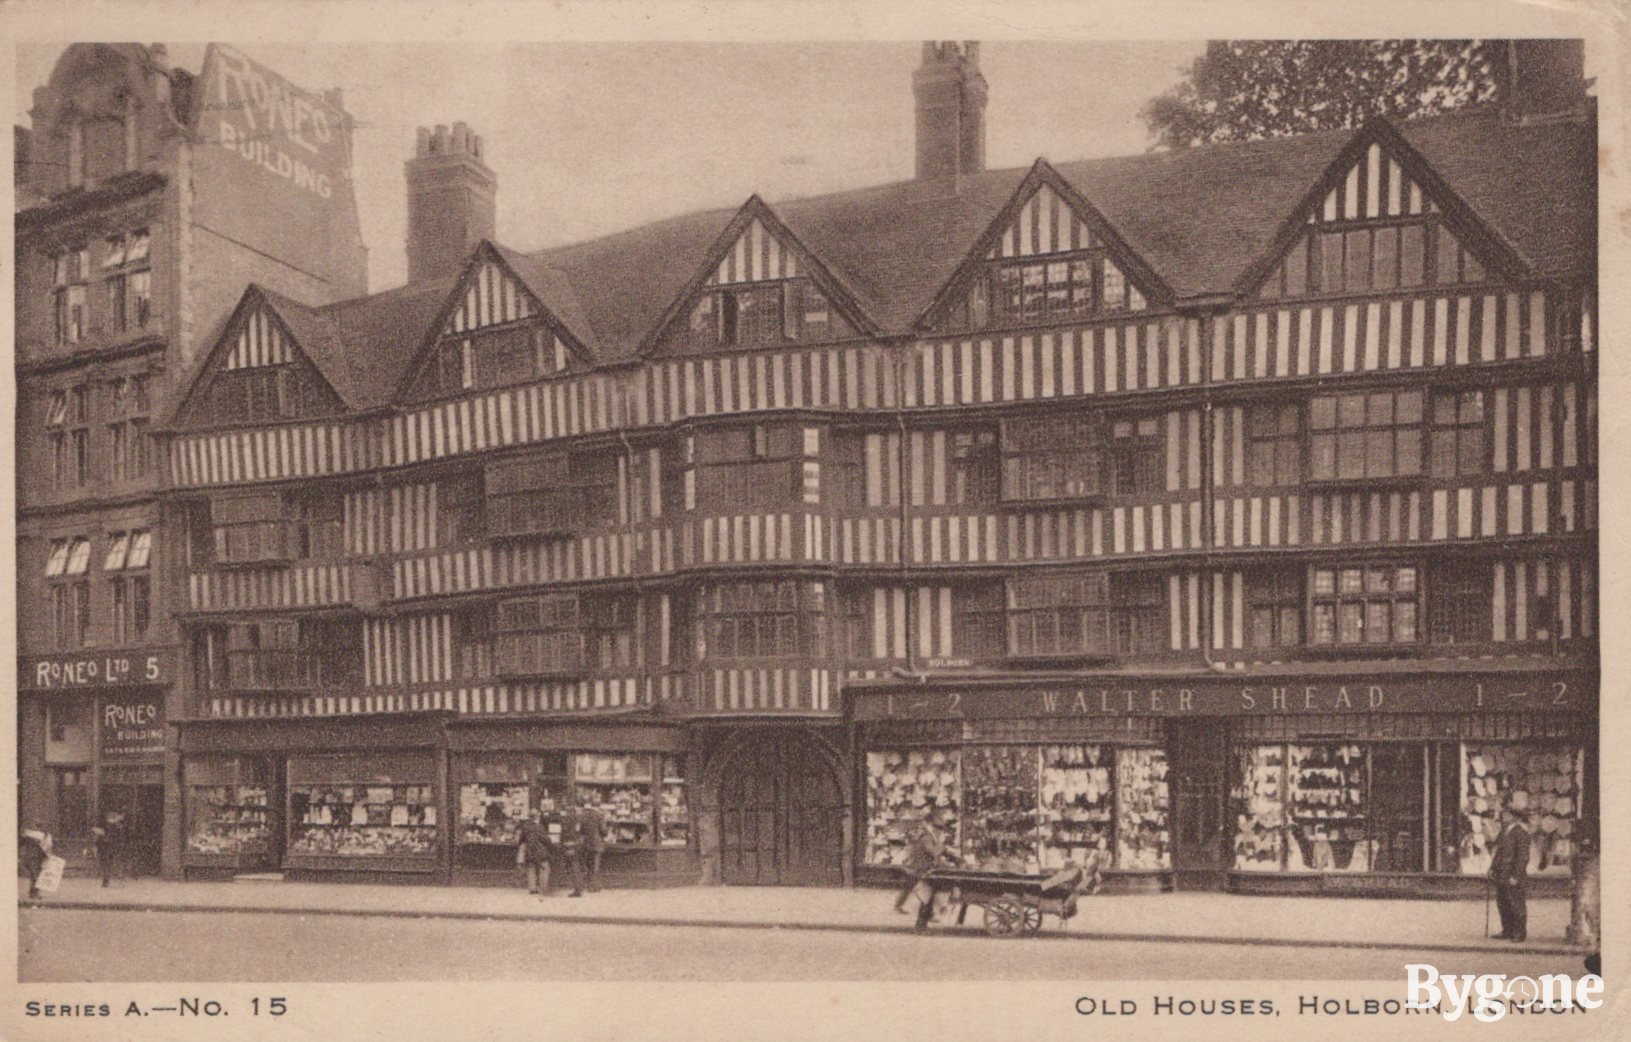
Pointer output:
x,y
1048,255
259,370
759,287
1379,219
504,323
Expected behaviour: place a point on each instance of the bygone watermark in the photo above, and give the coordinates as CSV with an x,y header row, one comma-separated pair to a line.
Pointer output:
x,y
1493,995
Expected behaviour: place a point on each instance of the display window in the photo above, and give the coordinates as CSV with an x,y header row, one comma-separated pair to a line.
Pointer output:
x,y
905,784
363,806
1143,806
362,820
497,793
1024,808
1077,803
641,797
1541,781
228,807
1401,807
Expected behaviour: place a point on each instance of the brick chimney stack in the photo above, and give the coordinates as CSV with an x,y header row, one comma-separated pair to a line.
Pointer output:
x,y
451,201
1539,80
951,96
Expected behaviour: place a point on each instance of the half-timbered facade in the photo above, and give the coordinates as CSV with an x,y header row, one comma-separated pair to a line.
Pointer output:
x,y
131,238
1227,515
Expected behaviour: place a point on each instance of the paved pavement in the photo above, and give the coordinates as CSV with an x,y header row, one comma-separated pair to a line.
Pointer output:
x,y
1439,926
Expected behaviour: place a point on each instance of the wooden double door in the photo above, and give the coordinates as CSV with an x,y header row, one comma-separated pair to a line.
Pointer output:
x,y
782,814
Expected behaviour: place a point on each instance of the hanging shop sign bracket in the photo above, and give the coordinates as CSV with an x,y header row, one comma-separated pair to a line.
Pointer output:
x,y
1569,692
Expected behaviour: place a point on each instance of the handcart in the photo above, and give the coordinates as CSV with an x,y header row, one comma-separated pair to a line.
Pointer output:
x,y
1014,903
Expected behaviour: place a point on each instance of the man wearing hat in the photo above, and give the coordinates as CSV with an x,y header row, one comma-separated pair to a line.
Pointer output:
x,y
924,849
1509,870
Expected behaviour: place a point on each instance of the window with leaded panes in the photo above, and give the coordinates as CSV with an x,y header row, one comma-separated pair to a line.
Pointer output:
x,y
1365,435
1459,441
612,630
1274,444
1050,457
1137,455
763,619
975,467
979,621
1274,604
1139,618
1053,287
1367,604
1461,598
1372,255
1060,615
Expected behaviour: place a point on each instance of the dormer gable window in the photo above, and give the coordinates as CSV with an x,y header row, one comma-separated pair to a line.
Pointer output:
x,y
496,358
761,314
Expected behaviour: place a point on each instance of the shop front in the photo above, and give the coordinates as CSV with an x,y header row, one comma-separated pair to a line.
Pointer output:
x,y
91,740
1259,784
347,798
633,773
427,798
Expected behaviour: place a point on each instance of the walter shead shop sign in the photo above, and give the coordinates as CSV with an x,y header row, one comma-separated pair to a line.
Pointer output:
x,y
1531,692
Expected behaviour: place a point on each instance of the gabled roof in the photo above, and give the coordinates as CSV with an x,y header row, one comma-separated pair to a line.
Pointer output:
x,y
1201,218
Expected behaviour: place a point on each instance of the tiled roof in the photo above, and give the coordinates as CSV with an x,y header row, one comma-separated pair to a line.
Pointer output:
x,y
1199,217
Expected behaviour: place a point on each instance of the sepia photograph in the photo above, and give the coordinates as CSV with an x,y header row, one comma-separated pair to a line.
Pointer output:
x,y
878,511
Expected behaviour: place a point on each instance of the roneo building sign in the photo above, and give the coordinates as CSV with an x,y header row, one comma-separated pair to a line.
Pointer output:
x,y
258,116
132,729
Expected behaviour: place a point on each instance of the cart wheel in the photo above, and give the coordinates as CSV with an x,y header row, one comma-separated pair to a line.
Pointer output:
x,y
1003,917
1030,920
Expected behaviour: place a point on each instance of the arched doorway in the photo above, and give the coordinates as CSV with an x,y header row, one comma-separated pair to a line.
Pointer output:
x,y
781,814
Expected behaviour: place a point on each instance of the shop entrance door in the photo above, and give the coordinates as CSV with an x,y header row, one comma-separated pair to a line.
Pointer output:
x,y
1199,751
1398,806
781,813
143,808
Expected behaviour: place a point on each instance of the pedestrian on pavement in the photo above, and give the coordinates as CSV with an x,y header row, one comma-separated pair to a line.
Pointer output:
x,y
593,824
924,850
1509,870
33,847
571,845
102,847
536,852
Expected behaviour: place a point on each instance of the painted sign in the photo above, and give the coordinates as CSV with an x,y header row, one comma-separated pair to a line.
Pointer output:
x,y
275,128
272,185
105,669
132,729
1552,692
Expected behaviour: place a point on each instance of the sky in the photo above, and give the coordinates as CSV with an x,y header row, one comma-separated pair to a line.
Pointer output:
x,y
592,138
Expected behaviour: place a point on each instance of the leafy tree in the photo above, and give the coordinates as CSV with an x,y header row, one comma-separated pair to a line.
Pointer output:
x,y
1244,89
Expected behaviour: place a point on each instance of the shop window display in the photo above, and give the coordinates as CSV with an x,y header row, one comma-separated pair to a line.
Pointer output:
x,y
902,784
492,813
366,820
673,815
1326,795
620,787
1000,808
1260,825
1142,804
1541,781
1076,804
228,819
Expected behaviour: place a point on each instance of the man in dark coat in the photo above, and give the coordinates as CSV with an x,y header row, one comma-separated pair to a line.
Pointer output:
x,y
572,845
1509,870
593,825
537,848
